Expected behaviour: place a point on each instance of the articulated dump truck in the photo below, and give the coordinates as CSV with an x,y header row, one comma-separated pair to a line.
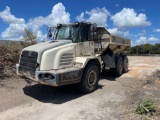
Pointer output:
x,y
77,54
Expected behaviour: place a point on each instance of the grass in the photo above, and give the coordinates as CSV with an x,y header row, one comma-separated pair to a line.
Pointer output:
x,y
150,106
146,106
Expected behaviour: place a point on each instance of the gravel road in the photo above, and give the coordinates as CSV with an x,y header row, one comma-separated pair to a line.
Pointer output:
x,y
114,99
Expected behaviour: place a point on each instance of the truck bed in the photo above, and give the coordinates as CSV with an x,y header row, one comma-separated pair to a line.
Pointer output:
x,y
115,43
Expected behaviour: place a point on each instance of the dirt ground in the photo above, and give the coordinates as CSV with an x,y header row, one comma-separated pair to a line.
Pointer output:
x,y
115,98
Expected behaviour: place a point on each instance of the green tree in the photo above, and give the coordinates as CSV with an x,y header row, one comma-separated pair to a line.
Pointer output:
x,y
29,36
156,48
136,50
145,49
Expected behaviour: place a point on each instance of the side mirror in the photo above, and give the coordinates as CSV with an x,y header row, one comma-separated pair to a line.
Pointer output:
x,y
49,33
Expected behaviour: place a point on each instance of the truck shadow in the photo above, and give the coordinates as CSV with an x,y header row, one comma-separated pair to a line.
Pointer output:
x,y
106,74
59,95
55,95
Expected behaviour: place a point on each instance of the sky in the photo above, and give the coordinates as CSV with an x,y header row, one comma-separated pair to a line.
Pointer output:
x,y
138,20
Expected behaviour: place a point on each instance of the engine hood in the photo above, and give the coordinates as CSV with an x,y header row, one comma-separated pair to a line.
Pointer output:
x,y
41,47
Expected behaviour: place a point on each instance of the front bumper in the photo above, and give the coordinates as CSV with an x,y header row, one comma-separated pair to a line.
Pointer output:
x,y
59,77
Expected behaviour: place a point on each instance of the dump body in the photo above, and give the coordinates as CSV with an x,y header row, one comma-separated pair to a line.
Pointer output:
x,y
104,39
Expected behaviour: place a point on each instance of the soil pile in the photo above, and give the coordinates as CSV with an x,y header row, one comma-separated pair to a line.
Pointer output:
x,y
9,56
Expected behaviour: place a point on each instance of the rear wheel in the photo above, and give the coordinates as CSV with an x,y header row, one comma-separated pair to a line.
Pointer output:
x,y
90,78
125,64
119,67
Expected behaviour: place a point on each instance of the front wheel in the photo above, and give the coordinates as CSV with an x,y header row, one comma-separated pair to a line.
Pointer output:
x,y
90,78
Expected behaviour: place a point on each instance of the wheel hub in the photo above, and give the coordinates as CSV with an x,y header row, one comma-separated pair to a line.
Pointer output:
x,y
92,78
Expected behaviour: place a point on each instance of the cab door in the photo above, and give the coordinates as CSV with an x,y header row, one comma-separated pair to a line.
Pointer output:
x,y
85,47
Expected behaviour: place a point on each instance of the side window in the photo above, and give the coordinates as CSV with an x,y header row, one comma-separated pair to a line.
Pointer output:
x,y
85,33
77,37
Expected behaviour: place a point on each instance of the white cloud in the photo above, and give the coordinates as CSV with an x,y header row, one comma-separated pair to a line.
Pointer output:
x,y
14,31
58,15
142,33
153,39
116,31
97,15
80,17
7,17
36,23
141,40
156,30
17,25
40,36
128,18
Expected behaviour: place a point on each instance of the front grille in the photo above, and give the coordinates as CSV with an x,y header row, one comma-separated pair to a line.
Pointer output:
x,y
28,62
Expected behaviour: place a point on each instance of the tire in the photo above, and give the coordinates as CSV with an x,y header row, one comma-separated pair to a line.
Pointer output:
x,y
119,67
90,78
125,63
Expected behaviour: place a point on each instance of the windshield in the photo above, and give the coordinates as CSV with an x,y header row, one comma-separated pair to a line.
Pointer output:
x,y
67,32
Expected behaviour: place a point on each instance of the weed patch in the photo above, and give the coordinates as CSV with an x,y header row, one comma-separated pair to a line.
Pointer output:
x,y
146,106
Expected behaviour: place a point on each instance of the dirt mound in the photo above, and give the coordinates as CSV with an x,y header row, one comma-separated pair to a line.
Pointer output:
x,y
9,56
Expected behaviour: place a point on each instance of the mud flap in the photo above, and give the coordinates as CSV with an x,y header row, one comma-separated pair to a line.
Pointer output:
x,y
109,61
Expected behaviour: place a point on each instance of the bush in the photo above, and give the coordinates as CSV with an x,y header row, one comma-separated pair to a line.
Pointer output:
x,y
146,106
9,56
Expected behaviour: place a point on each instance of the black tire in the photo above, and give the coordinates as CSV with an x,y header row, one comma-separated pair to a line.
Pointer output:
x,y
125,63
119,67
90,78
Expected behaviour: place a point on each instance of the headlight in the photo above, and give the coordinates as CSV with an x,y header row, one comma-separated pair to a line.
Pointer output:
x,y
46,76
